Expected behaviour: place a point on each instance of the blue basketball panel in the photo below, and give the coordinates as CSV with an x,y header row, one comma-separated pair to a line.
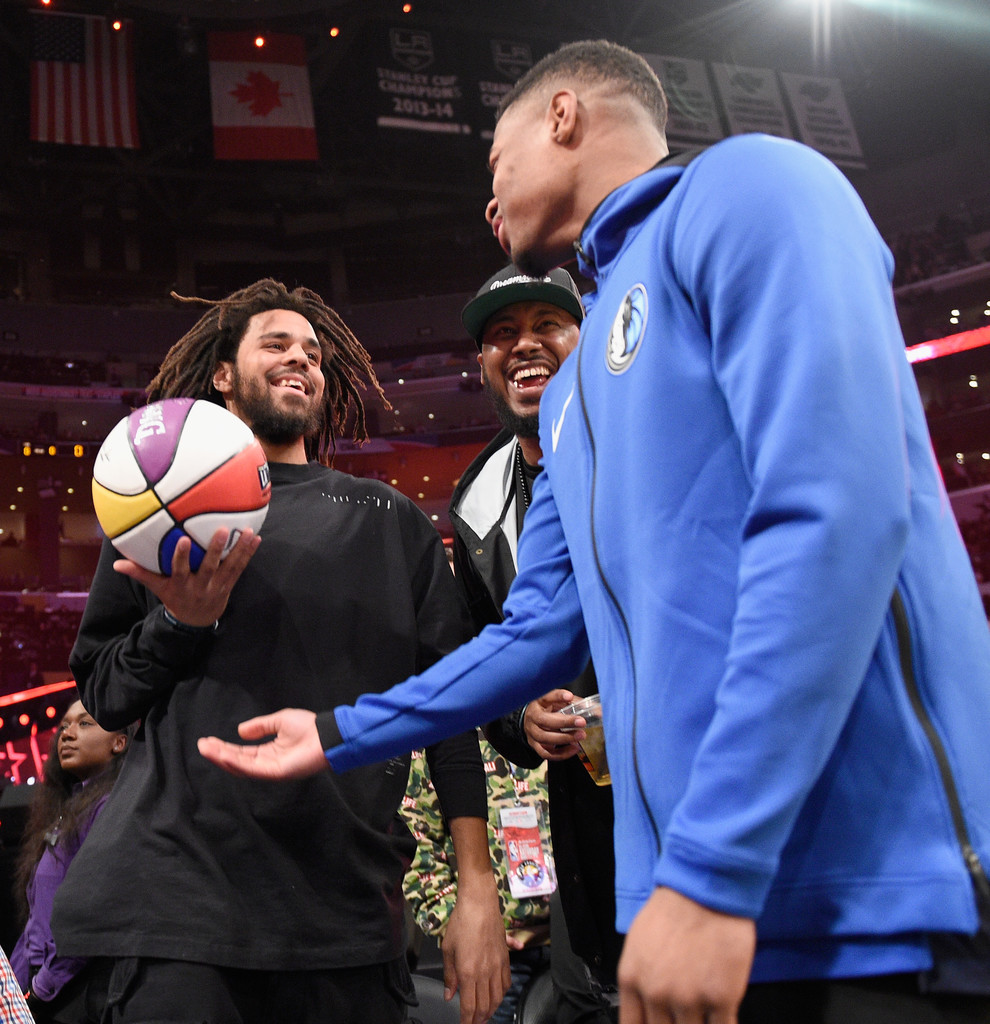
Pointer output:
x,y
167,550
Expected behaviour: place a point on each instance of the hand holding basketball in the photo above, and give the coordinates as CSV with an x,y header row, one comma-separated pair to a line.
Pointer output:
x,y
197,598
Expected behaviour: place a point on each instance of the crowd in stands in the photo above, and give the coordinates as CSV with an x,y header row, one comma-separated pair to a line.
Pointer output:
x,y
974,471
925,253
952,400
27,369
33,641
976,533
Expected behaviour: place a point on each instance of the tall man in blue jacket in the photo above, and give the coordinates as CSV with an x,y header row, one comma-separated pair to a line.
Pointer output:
x,y
740,514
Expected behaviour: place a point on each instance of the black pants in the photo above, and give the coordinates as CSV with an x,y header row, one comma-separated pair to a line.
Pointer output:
x,y
891,999
147,991
80,1001
577,1002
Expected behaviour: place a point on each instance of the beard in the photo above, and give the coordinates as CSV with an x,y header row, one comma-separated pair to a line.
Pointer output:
x,y
520,425
269,421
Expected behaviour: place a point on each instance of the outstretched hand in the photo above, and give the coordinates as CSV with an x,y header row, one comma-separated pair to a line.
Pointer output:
x,y
197,598
293,752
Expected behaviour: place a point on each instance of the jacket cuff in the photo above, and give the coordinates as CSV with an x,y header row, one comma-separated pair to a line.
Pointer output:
x,y
508,736
174,644
326,726
738,887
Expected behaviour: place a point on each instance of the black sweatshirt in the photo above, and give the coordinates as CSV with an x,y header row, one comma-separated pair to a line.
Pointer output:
x,y
348,592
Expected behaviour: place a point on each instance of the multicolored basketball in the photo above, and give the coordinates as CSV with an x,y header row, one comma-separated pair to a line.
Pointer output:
x,y
178,468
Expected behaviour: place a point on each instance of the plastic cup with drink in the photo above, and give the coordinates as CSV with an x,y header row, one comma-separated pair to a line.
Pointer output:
x,y
591,750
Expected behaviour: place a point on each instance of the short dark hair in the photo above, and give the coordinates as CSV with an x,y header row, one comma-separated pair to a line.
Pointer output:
x,y
188,368
597,62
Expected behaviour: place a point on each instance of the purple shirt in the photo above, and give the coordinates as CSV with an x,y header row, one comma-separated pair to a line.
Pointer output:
x,y
35,949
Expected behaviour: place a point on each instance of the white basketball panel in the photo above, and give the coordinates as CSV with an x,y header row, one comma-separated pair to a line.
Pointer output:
x,y
202,527
141,543
210,436
115,466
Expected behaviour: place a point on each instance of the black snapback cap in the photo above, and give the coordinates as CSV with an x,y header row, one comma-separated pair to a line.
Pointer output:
x,y
511,285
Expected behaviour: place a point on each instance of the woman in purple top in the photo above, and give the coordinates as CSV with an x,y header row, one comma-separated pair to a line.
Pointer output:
x,y
82,766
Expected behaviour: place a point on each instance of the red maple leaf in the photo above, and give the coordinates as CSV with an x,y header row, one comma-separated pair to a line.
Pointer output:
x,y
260,91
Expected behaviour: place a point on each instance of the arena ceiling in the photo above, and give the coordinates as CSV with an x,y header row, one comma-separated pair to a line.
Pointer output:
x,y
915,74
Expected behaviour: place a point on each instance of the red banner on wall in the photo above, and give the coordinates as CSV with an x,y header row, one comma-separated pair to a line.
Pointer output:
x,y
261,100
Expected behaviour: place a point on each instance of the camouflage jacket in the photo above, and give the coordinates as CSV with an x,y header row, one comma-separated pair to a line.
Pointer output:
x,y
430,884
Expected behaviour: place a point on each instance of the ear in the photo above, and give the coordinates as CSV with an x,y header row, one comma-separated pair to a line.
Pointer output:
x,y
481,363
562,113
222,377
119,744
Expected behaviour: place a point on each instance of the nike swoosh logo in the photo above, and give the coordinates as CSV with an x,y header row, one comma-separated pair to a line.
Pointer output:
x,y
557,424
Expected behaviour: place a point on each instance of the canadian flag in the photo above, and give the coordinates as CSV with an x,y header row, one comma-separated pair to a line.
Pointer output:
x,y
262,106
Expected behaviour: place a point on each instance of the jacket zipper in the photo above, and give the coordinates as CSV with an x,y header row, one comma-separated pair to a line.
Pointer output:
x,y
969,855
615,602
902,626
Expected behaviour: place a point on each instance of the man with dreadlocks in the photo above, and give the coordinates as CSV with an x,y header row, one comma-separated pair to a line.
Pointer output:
x,y
228,901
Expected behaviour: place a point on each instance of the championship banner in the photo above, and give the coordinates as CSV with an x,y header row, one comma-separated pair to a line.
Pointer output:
x,y
823,120
82,81
693,114
447,83
752,100
498,65
420,84
261,100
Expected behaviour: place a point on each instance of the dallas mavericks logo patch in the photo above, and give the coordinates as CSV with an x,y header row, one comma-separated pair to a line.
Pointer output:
x,y
627,330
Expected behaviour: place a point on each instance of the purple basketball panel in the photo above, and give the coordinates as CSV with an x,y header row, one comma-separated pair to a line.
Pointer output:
x,y
154,433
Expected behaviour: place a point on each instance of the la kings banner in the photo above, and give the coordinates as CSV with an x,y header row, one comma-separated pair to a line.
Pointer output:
x,y
430,80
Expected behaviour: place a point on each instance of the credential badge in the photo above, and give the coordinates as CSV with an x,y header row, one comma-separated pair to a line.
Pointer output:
x,y
627,330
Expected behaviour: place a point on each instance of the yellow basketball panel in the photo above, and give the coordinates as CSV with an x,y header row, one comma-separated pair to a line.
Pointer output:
x,y
120,512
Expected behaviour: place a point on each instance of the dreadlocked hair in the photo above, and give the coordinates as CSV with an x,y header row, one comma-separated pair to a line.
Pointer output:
x,y
188,368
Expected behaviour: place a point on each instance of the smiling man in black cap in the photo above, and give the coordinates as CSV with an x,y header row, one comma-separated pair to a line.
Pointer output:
x,y
525,327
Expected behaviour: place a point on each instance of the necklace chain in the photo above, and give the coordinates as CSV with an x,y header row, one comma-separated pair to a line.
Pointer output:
x,y
524,489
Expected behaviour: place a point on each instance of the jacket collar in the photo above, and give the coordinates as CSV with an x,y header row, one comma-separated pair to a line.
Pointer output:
x,y
618,216
480,494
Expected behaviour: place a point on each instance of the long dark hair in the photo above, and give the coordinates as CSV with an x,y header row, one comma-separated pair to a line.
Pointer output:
x,y
188,368
59,810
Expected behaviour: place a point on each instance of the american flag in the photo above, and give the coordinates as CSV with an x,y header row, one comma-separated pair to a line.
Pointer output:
x,y
82,81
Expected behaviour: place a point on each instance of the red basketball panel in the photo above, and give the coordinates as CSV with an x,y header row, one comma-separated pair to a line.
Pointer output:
x,y
236,486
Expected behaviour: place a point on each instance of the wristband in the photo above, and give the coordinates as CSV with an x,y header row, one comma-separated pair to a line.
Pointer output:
x,y
521,721
184,627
